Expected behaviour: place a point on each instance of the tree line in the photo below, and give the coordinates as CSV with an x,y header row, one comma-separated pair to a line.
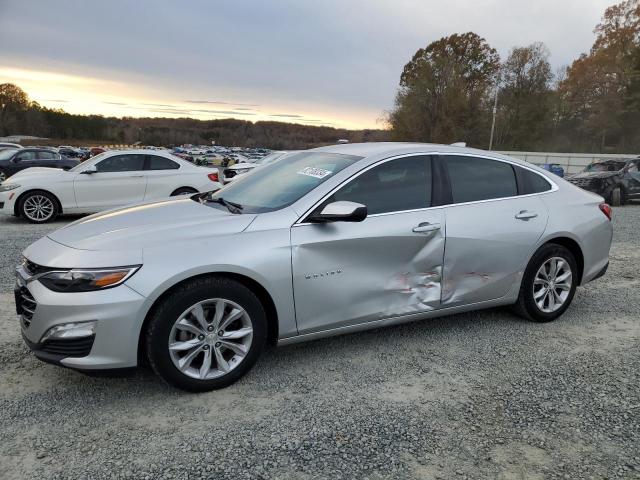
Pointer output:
x,y
449,89
19,115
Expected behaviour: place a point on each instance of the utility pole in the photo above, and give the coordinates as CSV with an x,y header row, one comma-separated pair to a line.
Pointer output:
x,y
493,121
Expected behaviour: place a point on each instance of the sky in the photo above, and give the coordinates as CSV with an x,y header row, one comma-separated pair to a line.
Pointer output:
x,y
317,62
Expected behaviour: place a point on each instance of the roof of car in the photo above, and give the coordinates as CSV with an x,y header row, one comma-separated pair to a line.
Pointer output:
x,y
398,148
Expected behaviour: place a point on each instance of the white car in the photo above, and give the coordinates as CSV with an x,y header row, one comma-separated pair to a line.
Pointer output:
x,y
234,171
108,180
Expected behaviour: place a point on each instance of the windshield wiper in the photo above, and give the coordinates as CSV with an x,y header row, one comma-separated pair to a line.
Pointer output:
x,y
231,206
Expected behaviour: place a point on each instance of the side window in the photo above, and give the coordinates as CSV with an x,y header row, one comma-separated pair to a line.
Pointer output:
x,y
394,186
26,156
474,178
121,163
532,182
161,163
44,155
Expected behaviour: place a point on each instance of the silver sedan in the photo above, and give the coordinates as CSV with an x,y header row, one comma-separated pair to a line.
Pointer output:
x,y
335,240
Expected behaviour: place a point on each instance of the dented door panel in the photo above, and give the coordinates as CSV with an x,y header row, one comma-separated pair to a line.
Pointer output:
x,y
350,273
488,248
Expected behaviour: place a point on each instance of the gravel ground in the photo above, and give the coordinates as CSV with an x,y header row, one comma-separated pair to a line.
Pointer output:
x,y
478,395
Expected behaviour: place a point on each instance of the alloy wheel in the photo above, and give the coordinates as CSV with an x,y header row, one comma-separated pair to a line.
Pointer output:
x,y
210,338
552,284
38,208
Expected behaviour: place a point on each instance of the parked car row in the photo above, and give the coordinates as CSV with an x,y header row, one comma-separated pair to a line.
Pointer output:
x,y
111,179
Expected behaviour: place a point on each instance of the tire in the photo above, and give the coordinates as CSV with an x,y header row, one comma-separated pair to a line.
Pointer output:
x,y
38,206
175,321
616,197
527,306
184,191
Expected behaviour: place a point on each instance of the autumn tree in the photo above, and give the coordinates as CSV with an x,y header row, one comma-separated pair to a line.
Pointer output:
x,y
593,94
524,114
443,91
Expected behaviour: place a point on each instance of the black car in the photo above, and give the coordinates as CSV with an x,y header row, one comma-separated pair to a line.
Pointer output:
x,y
616,180
14,160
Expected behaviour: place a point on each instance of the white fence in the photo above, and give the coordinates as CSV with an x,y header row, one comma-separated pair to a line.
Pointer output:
x,y
571,162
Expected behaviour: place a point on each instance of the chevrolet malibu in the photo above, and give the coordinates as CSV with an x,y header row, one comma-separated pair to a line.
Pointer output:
x,y
108,180
335,240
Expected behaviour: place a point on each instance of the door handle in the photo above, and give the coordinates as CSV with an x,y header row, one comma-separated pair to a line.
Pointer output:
x,y
426,227
136,176
525,215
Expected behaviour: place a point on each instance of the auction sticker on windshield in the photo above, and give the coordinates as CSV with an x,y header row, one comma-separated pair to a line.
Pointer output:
x,y
315,172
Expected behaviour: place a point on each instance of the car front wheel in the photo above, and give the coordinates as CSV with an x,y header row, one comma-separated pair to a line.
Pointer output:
x,y
206,334
38,207
548,285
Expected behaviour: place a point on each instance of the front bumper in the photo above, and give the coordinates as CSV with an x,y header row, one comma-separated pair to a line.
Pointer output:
x,y
115,311
8,201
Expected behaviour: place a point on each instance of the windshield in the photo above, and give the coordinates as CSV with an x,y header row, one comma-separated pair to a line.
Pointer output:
x,y
605,167
269,158
7,154
280,184
84,165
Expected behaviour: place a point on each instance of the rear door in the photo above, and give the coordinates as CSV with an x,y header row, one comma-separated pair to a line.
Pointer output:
x,y
387,265
491,228
162,177
119,180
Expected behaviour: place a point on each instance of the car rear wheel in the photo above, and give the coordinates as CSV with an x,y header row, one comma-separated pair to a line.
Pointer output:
x,y
616,197
548,285
184,191
206,334
38,207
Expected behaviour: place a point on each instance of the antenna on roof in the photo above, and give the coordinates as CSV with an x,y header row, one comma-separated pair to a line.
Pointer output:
x,y
459,144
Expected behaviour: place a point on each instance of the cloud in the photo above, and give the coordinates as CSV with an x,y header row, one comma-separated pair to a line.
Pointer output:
x,y
216,102
286,115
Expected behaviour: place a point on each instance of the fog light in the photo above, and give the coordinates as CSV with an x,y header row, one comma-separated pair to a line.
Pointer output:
x,y
70,330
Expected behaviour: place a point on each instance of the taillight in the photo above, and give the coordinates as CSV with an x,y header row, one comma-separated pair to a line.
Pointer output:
x,y
606,209
213,177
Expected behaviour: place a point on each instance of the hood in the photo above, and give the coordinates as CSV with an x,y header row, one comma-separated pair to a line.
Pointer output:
x,y
39,171
147,224
593,175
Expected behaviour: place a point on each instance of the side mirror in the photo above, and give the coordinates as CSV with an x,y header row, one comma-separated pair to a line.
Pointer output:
x,y
16,159
341,211
89,171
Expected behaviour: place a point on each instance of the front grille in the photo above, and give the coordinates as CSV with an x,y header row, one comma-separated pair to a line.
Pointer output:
x,y
75,347
229,173
26,305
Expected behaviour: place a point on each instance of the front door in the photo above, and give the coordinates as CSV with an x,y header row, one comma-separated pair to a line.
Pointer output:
x,y
118,180
388,265
633,179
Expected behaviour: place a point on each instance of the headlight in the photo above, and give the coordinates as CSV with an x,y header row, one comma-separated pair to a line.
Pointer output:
x,y
87,280
5,187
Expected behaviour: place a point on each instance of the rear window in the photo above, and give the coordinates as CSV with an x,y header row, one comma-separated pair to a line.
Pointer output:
x,y
532,182
474,179
161,163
